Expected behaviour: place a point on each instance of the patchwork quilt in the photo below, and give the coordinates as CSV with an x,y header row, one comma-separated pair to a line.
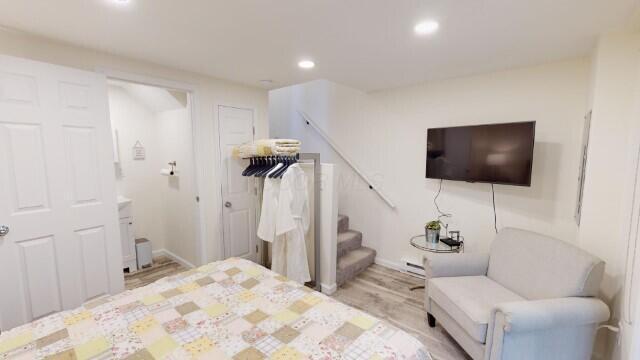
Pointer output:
x,y
232,309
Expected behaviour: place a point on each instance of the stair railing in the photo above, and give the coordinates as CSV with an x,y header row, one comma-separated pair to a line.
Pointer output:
x,y
344,157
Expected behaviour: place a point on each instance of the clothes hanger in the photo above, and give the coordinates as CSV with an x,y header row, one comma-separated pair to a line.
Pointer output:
x,y
293,160
264,164
290,160
285,164
275,169
257,166
250,167
270,164
275,164
279,165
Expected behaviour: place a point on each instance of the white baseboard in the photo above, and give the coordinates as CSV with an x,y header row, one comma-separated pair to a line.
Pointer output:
x,y
389,264
328,289
173,256
395,266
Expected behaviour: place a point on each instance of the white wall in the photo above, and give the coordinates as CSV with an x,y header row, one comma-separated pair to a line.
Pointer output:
x,y
179,192
385,133
209,91
138,179
164,208
614,98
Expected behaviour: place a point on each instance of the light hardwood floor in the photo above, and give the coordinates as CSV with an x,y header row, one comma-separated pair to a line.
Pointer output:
x,y
162,266
382,292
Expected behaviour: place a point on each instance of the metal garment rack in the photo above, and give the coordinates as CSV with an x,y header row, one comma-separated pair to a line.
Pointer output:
x,y
315,157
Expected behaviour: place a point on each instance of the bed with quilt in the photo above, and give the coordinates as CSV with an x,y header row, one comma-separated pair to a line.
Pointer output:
x,y
231,309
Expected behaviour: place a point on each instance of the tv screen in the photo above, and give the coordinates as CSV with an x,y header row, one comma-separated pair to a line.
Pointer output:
x,y
492,153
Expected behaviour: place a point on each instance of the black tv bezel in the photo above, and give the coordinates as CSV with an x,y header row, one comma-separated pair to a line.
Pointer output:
x,y
533,142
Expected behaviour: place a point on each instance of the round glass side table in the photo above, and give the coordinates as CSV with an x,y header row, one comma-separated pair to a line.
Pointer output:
x,y
420,242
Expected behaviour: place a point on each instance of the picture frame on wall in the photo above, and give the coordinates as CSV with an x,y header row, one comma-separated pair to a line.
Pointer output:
x,y
138,151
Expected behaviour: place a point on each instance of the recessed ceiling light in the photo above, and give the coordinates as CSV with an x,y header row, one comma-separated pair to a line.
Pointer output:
x,y
426,27
306,64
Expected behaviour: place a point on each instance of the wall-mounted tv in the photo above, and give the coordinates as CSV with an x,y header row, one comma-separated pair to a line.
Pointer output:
x,y
492,153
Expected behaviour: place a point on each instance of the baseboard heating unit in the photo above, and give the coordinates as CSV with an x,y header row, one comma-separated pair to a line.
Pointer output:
x,y
413,267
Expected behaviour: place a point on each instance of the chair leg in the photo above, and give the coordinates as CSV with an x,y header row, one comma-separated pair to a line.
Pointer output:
x,y
431,320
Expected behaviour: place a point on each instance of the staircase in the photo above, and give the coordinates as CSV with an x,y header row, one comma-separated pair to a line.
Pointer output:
x,y
353,258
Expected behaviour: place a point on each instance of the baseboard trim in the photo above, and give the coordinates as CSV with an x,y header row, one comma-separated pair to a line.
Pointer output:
x,y
173,256
395,266
389,264
328,289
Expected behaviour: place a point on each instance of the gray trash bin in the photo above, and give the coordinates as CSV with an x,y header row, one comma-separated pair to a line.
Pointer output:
x,y
144,253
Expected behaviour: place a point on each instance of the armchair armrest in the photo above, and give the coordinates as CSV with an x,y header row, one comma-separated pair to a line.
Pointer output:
x,y
523,316
529,330
450,265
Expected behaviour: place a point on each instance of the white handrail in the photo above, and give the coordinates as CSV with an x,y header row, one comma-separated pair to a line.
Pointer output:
x,y
344,157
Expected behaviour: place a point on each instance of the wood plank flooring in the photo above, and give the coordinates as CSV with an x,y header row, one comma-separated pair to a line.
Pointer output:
x,y
162,266
382,292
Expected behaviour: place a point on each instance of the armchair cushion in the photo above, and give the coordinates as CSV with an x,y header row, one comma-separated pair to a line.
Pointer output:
x,y
547,314
470,300
445,265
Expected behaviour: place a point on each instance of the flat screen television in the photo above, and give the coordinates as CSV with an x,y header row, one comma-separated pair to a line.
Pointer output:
x,y
492,153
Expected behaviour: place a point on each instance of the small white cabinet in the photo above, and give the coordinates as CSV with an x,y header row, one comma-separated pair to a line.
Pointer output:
x,y
127,236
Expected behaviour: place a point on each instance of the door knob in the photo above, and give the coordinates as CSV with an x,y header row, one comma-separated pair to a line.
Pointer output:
x,y
227,204
4,230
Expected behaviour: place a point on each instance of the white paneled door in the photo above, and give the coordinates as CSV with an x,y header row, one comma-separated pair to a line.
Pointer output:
x,y
57,191
238,196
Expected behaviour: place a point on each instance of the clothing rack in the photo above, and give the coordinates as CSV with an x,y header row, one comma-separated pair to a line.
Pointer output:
x,y
261,166
313,158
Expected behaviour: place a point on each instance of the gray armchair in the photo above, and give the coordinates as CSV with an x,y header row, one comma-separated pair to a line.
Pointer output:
x,y
531,297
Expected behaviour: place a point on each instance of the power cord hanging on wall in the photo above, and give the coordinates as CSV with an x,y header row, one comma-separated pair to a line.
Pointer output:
x,y
435,202
495,215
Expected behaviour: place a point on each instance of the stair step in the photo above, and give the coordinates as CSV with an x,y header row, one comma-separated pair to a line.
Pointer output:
x,y
343,223
353,263
349,240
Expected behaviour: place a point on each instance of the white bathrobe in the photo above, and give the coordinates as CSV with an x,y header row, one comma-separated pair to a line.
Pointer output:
x,y
293,223
284,221
269,209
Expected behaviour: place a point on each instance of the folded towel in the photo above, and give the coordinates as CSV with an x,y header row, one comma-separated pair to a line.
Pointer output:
x,y
285,150
277,142
267,147
288,146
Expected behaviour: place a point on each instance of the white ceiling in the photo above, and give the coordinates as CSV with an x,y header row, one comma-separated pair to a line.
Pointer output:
x,y
367,44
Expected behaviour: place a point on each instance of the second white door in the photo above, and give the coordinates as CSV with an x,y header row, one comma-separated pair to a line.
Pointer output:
x,y
238,192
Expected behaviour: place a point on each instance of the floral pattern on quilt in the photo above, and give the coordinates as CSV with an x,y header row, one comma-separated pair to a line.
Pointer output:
x,y
232,309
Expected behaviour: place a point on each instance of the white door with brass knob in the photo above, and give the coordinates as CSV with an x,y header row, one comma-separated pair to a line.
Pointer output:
x,y
238,197
58,213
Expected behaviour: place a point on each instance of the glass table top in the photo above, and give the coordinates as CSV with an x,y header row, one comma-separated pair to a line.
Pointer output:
x,y
420,242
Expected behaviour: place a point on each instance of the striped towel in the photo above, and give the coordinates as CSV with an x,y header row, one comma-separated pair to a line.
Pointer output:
x,y
266,147
278,142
